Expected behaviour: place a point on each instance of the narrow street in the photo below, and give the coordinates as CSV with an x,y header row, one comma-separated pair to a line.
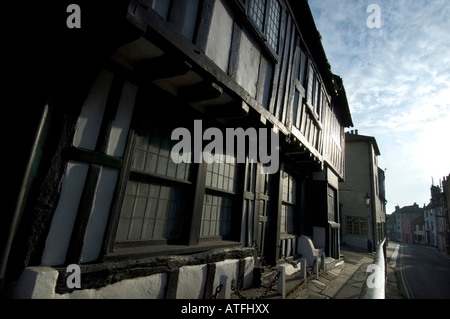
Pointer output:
x,y
424,272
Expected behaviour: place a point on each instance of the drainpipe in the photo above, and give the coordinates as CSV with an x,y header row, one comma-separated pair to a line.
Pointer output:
x,y
372,195
21,199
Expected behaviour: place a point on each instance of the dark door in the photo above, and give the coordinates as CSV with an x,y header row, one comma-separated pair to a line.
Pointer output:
x,y
264,212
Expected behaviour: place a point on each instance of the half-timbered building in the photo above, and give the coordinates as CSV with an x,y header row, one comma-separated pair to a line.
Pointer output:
x,y
102,187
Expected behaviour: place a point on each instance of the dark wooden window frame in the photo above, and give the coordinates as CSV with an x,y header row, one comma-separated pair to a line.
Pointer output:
x,y
332,195
242,7
293,204
312,108
262,33
232,195
192,241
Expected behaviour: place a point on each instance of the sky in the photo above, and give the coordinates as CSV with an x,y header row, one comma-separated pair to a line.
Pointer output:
x,y
397,79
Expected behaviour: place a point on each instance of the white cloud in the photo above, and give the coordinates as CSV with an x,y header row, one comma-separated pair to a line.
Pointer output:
x,y
397,80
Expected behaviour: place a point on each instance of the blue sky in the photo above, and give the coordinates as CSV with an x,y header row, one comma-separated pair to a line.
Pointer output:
x,y
397,80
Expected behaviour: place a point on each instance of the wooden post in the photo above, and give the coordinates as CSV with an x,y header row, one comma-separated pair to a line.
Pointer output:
x,y
304,266
282,281
316,266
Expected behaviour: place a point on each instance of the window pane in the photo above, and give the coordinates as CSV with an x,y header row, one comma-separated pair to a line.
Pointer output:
x,y
310,92
273,24
318,96
289,188
301,76
216,217
331,204
287,219
222,175
151,211
295,114
256,12
152,152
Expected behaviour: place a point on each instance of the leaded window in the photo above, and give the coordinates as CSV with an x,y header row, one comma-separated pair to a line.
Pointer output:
x,y
155,198
289,200
273,24
151,210
256,10
222,175
221,185
216,217
266,15
332,200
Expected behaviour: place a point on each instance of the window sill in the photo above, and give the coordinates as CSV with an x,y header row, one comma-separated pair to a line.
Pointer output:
x,y
123,253
287,236
129,263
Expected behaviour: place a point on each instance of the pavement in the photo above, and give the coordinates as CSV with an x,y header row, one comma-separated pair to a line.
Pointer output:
x,y
343,278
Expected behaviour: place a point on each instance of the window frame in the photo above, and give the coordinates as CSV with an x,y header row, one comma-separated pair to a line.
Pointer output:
x,y
359,222
332,203
243,6
288,203
191,240
230,195
129,173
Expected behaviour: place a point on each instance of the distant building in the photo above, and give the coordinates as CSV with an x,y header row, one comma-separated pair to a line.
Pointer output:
x,y
436,217
363,180
418,230
430,226
393,227
446,192
405,220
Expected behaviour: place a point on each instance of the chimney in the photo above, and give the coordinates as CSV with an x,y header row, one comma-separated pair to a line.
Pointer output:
x,y
356,132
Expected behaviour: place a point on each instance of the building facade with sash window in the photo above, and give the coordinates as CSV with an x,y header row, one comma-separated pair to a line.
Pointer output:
x,y
102,186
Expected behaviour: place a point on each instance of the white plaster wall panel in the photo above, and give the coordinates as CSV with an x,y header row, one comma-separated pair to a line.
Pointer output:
x,y
149,287
77,294
283,246
227,267
36,283
191,282
91,116
99,215
63,220
333,179
288,246
219,38
248,66
119,130
265,85
247,227
248,272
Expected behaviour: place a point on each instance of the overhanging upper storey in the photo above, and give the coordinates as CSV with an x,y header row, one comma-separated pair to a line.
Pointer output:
x,y
246,63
